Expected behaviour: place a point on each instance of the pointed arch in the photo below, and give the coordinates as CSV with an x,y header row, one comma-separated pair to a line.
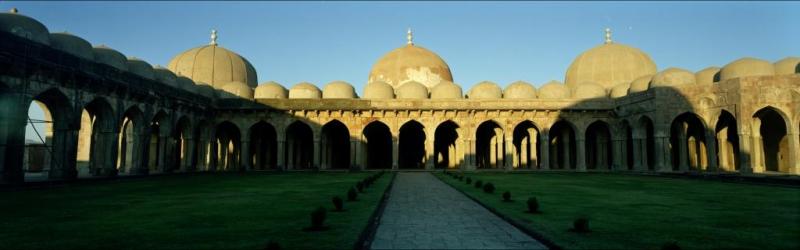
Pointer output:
x,y
335,146
412,145
562,145
490,145
379,146
96,154
45,154
598,146
228,144
263,146
299,146
727,142
526,145
129,144
771,141
688,142
645,143
445,151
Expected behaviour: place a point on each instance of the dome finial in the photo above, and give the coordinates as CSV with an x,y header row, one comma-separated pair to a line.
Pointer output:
x,y
14,10
608,36
410,37
213,37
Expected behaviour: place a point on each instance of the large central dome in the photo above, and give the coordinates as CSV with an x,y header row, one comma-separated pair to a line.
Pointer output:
x,y
609,64
214,65
411,63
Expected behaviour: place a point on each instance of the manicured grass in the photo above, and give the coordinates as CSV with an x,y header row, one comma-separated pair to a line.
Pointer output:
x,y
226,211
639,212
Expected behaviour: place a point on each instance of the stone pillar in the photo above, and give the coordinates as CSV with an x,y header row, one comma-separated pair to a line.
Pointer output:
x,y
281,154
429,157
580,156
510,153
794,153
395,154
460,159
62,165
758,150
566,146
523,157
544,145
637,154
493,152
190,149
245,157
723,150
317,154
473,157
683,150
354,154
13,119
663,155
711,151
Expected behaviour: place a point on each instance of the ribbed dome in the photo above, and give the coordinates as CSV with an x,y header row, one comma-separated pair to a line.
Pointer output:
x,y
640,84
446,90
378,90
485,90
339,90
788,66
166,76
608,65
185,83
72,44
410,63
141,68
554,90
271,90
239,89
111,57
305,90
215,65
412,90
24,26
589,91
746,67
519,90
619,90
673,77
707,76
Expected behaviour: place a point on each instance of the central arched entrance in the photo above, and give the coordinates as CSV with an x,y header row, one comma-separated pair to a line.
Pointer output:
x,y
335,146
688,143
598,146
378,138
772,152
727,142
299,146
444,145
412,146
228,147
263,146
526,143
490,145
562,146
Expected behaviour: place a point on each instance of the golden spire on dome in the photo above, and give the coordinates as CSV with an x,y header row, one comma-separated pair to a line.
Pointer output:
x,y
410,37
608,36
213,37
14,10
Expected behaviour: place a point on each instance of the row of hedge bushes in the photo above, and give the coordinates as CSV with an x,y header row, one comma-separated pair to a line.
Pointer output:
x,y
579,225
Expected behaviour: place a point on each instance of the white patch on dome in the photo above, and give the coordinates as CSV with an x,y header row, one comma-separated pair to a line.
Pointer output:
x,y
424,75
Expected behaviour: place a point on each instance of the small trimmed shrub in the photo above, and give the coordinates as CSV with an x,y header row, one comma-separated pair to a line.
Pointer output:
x,y
469,180
360,187
352,194
671,245
318,218
478,184
272,245
488,188
580,225
533,205
460,177
338,203
506,196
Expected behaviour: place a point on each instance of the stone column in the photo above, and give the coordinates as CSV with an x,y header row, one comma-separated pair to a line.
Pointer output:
x,y
637,153
758,150
566,146
580,156
473,158
544,145
189,148
281,154
354,154
745,153
460,159
13,119
523,157
711,151
683,150
794,156
245,157
618,152
493,152
723,150
395,154
663,155
429,157
317,154
510,153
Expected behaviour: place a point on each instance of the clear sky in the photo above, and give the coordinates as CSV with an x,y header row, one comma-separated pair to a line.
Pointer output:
x,y
319,42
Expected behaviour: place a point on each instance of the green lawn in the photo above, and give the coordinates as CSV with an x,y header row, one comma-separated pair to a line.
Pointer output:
x,y
639,212
227,211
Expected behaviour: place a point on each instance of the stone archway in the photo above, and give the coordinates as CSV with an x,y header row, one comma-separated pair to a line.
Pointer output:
x,y
770,134
228,144
727,142
378,138
526,143
598,146
46,148
688,143
96,140
263,146
562,146
299,146
335,146
490,146
444,145
412,146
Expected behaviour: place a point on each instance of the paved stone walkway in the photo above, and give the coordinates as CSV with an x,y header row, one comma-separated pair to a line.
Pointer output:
x,y
425,213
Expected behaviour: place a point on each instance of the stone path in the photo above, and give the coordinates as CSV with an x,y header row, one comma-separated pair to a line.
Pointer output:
x,y
425,213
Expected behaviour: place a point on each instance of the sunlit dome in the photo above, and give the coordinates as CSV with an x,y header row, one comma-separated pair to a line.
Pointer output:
x,y
271,90
339,90
485,90
519,90
412,90
378,90
410,63
609,64
747,66
305,90
554,90
214,65
446,90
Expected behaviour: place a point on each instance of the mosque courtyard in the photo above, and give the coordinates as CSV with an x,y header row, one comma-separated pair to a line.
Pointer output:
x,y
248,210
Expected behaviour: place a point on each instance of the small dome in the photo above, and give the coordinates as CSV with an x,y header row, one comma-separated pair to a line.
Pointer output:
x,y
586,90
71,44
24,26
378,90
707,76
485,90
746,67
412,90
554,90
788,66
446,90
166,76
339,90
141,68
111,57
238,89
620,90
214,65
519,90
271,90
185,83
305,90
608,65
410,63
673,77
206,90
641,84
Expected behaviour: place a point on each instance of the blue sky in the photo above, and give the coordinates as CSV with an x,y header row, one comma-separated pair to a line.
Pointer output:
x,y
319,42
